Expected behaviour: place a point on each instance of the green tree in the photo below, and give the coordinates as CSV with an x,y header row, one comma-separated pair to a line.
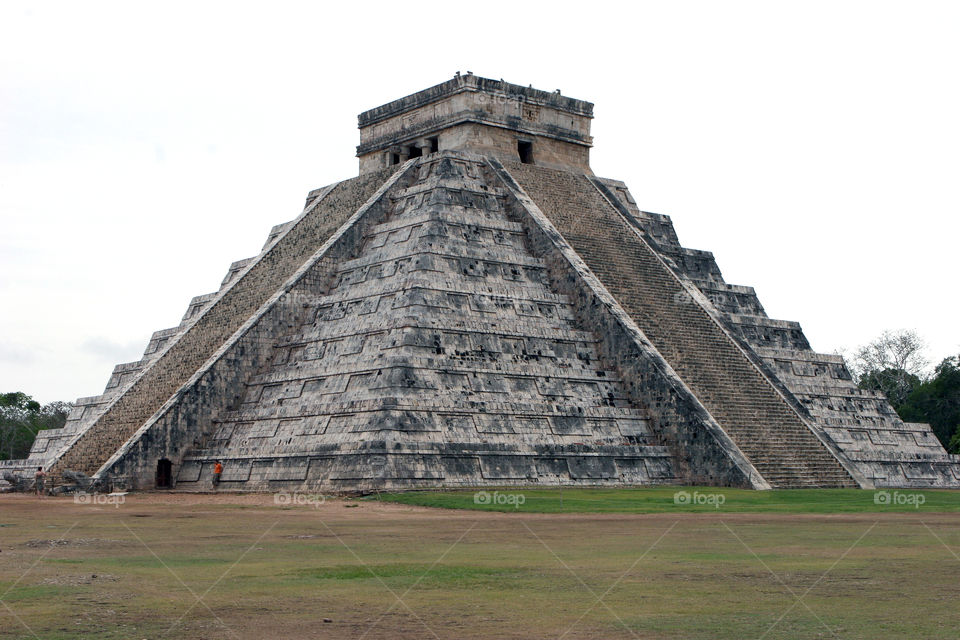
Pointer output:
x,y
19,400
21,417
892,363
897,385
937,402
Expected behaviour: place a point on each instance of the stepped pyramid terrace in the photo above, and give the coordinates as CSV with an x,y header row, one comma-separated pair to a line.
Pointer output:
x,y
478,308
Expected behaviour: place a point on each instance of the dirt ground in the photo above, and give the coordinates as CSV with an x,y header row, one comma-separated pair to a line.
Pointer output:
x,y
168,565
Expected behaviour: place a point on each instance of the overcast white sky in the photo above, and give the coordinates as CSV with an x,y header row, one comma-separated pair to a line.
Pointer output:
x,y
812,146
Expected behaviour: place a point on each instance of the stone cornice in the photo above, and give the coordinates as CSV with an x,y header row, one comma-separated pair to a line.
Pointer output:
x,y
461,84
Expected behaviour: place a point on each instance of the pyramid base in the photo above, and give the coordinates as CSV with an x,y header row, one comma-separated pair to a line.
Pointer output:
x,y
377,468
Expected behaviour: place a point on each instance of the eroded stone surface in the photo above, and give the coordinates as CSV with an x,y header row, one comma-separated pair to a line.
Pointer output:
x,y
862,425
486,313
438,354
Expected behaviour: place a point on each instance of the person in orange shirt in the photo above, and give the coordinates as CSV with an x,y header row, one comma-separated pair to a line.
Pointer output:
x,y
217,470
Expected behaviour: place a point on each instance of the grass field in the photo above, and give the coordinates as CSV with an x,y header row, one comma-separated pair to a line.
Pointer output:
x,y
684,500
628,565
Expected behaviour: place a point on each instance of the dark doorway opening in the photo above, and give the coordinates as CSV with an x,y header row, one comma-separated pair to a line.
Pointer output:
x,y
525,151
434,144
394,158
416,152
164,474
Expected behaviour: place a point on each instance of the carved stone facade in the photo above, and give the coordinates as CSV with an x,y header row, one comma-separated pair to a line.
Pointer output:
x,y
469,113
484,313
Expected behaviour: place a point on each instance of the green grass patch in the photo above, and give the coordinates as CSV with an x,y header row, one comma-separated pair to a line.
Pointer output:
x,y
684,500
424,575
40,592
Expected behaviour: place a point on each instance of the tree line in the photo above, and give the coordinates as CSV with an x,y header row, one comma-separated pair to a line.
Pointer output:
x,y
21,417
894,363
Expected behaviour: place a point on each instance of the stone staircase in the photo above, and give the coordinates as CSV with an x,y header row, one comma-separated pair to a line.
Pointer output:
x,y
212,322
768,431
862,425
438,352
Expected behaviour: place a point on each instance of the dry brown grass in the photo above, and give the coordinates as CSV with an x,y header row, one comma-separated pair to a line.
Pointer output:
x,y
228,566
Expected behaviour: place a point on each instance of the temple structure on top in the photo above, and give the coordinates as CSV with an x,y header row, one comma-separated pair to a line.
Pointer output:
x,y
477,308
490,117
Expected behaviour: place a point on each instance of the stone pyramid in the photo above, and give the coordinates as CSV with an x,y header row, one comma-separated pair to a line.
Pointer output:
x,y
477,308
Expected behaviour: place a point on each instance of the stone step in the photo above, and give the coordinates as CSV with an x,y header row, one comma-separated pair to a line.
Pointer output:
x,y
165,375
745,404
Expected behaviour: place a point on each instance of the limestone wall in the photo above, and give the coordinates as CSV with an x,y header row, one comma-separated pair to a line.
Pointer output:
x,y
208,330
702,451
862,425
479,115
438,355
742,399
